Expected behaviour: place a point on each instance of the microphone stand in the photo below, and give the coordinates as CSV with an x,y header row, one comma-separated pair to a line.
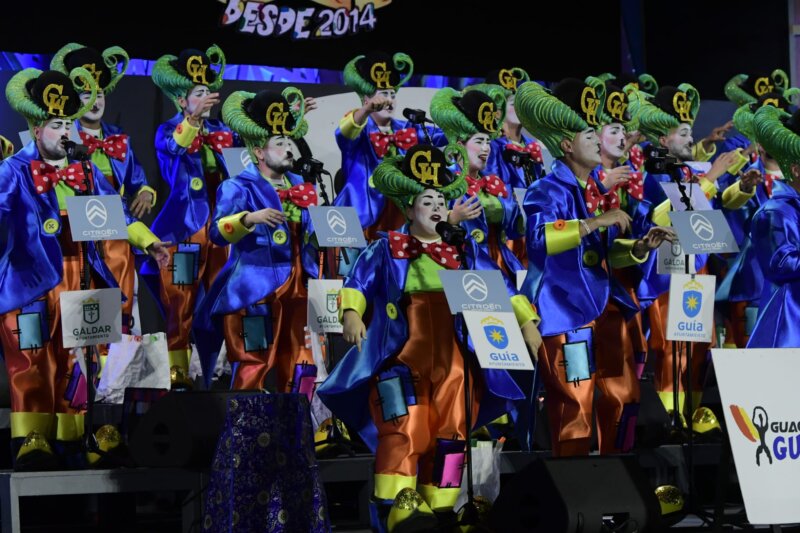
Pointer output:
x,y
90,443
676,174
335,436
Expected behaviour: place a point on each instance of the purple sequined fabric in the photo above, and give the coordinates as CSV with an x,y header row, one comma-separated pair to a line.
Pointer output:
x,y
264,476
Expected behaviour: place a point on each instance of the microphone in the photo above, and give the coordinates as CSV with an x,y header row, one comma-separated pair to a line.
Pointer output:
x,y
516,158
416,116
308,167
451,234
75,150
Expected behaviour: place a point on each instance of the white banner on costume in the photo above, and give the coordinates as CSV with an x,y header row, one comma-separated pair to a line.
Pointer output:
x,y
672,259
323,305
497,340
691,307
91,317
761,401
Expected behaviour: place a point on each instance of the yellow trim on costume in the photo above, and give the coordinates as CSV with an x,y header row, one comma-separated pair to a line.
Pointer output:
x,y
42,423
69,426
699,153
661,214
146,188
180,358
523,310
185,133
709,188
562,235
669,405
440,499
734,197
233,229
140,236
352,299
621,254
388,485
348,126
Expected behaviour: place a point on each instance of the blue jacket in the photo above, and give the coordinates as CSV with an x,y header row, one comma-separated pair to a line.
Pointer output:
x,y
257,265
570,288
513,177
776,236
359,161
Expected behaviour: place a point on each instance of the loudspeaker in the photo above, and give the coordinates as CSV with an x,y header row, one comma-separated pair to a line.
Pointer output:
x,y
577,494
179,429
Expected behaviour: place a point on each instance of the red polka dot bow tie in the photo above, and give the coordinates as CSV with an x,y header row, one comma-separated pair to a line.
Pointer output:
x,y
532,148
115,146
302,195
491,184
46,176
634,186
216,141
637,156
405,246
403,139
596,200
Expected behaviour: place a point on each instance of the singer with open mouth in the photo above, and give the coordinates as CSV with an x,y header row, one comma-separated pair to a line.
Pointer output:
x,y
489,212
402,385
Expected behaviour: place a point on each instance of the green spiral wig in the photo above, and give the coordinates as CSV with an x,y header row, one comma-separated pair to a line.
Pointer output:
x,y
778,140
364,87
549,119
643,82
253,134
737,95
454,123
653,121
115,58
175,85
390,180
496,77
20,99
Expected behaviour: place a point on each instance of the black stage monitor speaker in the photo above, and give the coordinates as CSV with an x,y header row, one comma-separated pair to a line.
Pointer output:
x,y
180,429
577,494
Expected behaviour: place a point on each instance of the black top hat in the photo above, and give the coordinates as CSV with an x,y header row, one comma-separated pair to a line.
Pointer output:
x,y
54,92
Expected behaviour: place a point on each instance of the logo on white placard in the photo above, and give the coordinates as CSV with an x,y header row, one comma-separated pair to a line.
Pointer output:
x,y
244,157
96,213
702,227
336,222
475,287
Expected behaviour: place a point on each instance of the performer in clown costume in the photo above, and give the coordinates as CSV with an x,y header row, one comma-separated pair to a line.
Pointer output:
x,y
402,385
40,261
112,153
571,250
489,212
189,149
259,301
774,232
666,121
512,137
740,290
617,183
368,134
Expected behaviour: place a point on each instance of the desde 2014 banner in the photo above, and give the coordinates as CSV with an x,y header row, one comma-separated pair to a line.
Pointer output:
x,y
332,19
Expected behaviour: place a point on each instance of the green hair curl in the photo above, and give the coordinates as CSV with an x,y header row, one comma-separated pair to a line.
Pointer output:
x,y
778,141
454,123
402,190
175,85
363,87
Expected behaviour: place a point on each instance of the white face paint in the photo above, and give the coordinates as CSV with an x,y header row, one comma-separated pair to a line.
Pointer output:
x,y
98,108
479,146
612,140
49,136
278,154
429,208
192,100
586,148
679,142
